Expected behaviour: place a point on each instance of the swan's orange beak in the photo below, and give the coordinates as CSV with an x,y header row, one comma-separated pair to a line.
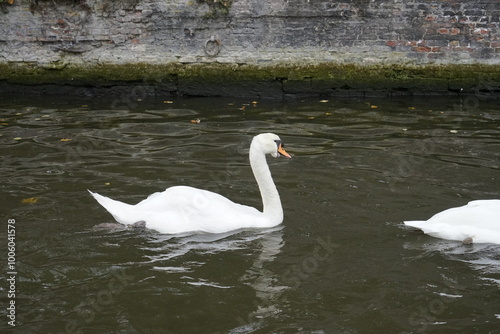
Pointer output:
x,y
282,152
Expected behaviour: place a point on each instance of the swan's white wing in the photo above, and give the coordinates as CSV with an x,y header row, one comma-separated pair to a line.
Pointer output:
x,y
182,208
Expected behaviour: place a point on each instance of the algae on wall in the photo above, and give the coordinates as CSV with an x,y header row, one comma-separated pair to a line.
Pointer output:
x,y
271,80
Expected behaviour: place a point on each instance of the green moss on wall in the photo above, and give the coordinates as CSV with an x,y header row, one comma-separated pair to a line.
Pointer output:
x,y
299,78
217,7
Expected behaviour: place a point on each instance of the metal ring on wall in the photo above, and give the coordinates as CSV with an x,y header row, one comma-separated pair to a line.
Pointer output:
x,y
212,47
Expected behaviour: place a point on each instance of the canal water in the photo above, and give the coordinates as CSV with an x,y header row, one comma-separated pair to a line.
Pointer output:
x,y
341,262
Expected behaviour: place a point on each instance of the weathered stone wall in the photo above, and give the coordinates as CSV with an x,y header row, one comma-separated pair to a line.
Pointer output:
x,y
294,46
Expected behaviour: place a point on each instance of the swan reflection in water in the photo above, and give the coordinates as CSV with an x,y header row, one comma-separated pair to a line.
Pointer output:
x,y
484,258
174,254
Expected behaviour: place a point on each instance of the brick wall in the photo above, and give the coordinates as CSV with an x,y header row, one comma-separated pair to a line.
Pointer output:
x,y
252,31
54,33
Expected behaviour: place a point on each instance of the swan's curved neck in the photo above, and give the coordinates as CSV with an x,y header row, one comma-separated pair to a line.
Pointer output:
x,y
270,196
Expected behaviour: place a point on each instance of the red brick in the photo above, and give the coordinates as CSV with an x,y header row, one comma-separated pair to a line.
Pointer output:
x,y
454,31
443,31
423,49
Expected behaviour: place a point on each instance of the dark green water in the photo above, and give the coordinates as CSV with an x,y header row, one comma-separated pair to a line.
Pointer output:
x,y
341,262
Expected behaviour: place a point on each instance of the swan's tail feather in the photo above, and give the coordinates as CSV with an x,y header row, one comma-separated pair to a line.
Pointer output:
x,y
119,210
416,223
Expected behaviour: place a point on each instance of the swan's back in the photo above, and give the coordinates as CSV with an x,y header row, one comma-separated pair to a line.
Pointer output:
x,y
181,209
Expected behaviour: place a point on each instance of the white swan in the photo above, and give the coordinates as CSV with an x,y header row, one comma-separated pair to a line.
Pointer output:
x,y
478,221
185,209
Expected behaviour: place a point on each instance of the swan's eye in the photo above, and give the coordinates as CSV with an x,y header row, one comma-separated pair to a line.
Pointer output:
x,y
278,143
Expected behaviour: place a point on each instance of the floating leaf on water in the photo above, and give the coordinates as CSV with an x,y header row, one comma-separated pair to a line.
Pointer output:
x,y
412,108
311,117
324,101
453,131
328,113
107,183
18,138
66,139
30,200
4,123
195,121
168,102
373,106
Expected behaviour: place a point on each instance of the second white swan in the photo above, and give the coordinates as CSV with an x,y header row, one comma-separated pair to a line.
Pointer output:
x,y
186,209
478,222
